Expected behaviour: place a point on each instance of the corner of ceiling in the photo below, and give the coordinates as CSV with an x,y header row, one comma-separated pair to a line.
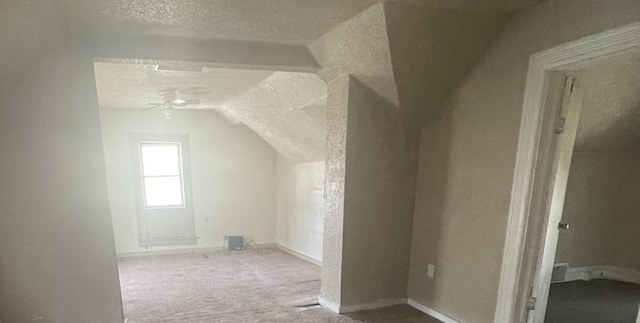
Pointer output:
x,y
432,49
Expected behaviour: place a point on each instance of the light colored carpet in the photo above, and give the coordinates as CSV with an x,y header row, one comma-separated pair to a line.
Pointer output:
x,y
242,287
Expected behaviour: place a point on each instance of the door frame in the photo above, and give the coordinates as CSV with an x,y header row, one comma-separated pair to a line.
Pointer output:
x,y
525,234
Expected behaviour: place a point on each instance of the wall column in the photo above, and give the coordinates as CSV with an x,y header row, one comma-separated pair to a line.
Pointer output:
x,y
369,198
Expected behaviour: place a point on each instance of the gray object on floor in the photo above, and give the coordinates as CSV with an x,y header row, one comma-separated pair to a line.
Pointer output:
x,y
596,301
236,243
243,287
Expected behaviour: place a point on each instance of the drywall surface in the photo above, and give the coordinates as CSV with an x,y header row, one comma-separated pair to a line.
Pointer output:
x,y
359,47
275,110
334,189
367,227
57,256
603,209
300,206
233,175
433,49
475,135
378,207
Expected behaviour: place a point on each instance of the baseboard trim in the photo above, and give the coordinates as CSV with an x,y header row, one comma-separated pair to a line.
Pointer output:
x,y
373,305
360,307
587,273
299,255
429,311
180,251
329,304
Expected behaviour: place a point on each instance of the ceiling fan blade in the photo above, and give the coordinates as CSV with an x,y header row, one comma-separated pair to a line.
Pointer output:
x,y
170,89
191,101
195,90
153,106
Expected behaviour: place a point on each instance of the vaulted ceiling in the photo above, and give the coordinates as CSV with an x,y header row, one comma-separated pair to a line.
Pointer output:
x,y
411,52
281,21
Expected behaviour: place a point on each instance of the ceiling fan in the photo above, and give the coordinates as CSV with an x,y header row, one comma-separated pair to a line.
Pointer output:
x,y
171,102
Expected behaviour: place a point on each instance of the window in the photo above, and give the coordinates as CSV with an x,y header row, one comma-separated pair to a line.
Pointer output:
x,y
162,178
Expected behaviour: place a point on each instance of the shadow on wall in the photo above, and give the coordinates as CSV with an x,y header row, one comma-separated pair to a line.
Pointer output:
x,y
431,198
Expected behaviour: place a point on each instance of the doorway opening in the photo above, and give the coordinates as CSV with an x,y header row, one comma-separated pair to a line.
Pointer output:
x,y
550,123
197,156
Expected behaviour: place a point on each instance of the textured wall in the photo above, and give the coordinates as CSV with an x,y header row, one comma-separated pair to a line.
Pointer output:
x,y
479,139
300,206
359,47
274,109
402,61
369,196
57,256
334,189
603,209
378,205
433,49
232,170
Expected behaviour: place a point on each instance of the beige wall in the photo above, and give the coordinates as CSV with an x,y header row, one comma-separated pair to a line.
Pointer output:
x,y
300,206
465,182
232,170
57,255
368,228
603,209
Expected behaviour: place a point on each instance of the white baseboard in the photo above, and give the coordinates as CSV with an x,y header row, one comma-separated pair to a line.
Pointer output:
x,y
329,304
360,307
299,255
429,311
587,273
180,251
373,305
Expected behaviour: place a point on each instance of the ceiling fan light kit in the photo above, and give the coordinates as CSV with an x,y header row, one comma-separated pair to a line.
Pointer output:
x,y
171,103
169,114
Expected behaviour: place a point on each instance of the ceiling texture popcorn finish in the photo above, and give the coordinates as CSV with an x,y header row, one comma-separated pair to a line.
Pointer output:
x,y
408,51
282,21
610,115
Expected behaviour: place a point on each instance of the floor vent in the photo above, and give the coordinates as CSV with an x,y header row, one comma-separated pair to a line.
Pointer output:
x,y
559,273
308,307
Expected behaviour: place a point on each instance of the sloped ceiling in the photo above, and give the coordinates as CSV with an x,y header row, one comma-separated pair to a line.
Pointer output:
x,y
281,21
411,55
610,115
134,86
286,109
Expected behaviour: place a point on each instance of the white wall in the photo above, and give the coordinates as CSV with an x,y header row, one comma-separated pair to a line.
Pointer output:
x,y
233,173
57,256
300,206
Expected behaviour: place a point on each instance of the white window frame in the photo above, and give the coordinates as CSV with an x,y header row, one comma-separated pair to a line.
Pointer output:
x,y
163,226
180,175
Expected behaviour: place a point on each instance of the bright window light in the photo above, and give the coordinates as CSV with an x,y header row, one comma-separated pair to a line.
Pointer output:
x,y
162,174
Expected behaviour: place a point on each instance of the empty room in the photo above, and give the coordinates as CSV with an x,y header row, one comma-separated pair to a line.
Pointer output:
x,y
206,212
319,161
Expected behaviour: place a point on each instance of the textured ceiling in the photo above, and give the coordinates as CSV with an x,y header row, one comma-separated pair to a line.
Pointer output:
x,y
286,109
281,21
610,117
136,85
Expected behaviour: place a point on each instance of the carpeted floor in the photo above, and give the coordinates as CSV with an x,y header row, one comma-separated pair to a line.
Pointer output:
x,y
596,301
242,287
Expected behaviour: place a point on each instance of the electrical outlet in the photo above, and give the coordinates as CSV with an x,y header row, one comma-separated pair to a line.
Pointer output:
x,y
431,270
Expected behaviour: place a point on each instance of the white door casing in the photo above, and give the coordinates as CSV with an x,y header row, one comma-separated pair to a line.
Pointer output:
x,y
570,56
